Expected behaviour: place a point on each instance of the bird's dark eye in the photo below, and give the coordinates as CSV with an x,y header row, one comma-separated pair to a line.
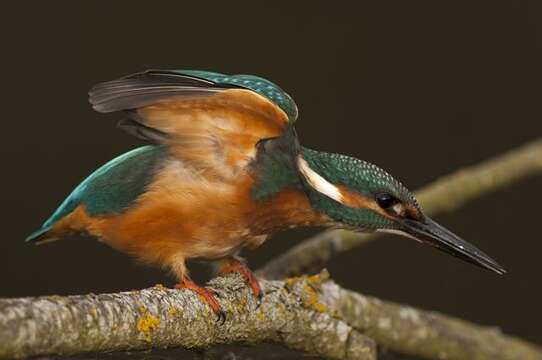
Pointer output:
x,y
386,201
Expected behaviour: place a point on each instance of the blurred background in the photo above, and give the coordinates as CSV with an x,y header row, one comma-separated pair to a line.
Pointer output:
x,y
418,88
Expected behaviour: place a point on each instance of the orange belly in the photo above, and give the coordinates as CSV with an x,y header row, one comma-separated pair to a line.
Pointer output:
x,y
182,216
164,226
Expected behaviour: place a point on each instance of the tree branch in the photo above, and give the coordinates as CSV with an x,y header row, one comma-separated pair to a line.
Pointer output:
x,y
443,195
427,334
161,317
310,314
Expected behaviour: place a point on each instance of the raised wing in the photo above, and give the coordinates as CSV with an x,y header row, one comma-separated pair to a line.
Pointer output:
x,y
212,120
258,84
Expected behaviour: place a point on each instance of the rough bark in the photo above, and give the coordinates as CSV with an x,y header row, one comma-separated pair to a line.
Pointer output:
x,y
427,334
161,317
311,314
443,195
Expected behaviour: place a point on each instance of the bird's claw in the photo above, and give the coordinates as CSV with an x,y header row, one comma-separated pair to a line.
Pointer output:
x,y
209,295
259,299
236,266
220,316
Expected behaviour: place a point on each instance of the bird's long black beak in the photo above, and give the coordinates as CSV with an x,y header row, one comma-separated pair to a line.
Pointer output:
x,y
431,233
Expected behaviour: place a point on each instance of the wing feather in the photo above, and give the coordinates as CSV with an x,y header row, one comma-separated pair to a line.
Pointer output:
x,y
213,126
145,88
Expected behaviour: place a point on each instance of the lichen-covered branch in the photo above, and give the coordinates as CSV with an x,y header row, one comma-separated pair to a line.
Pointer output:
x,y
161,317
427,334
443,195
310,314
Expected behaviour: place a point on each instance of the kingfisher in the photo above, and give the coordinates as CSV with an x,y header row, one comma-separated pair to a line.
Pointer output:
x,y
223,171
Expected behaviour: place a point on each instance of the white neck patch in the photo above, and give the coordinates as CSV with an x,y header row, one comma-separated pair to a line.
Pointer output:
x,y
317,182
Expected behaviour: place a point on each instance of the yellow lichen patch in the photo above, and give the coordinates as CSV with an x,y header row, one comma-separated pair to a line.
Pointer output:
x,y
317,280
160,287
291,282
311,299
261,316
242,303
147,324
238,308
309,286
172,311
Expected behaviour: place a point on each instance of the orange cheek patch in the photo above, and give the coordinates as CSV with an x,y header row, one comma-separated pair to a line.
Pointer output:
x,y
355,200
412,212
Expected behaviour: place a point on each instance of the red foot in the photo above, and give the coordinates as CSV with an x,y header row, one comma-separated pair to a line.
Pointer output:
x,y
208,295
239,267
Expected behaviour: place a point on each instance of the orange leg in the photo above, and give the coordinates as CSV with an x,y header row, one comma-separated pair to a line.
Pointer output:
x,y
208,295
238,266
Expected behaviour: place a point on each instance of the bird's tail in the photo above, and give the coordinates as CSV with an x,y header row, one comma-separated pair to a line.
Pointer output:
x,y
41,236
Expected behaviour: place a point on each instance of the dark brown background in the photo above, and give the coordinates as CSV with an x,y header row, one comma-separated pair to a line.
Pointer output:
x,y
418,88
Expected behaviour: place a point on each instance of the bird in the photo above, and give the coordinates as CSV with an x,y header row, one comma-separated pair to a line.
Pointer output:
x,y
222,171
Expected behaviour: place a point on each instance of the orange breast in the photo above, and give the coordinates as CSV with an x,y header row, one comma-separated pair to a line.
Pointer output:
x,y
184,215
289,208
181,215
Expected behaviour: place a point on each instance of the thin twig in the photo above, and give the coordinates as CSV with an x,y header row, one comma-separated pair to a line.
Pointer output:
x,y
443,195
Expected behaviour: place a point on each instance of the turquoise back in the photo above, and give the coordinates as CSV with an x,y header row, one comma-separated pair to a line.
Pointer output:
x,y
114,186
275,166
260,85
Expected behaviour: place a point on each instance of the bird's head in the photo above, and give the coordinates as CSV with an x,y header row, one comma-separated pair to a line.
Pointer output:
x,y
360,196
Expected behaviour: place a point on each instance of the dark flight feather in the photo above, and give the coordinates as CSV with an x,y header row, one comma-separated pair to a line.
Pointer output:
x,y
147,87
139,130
